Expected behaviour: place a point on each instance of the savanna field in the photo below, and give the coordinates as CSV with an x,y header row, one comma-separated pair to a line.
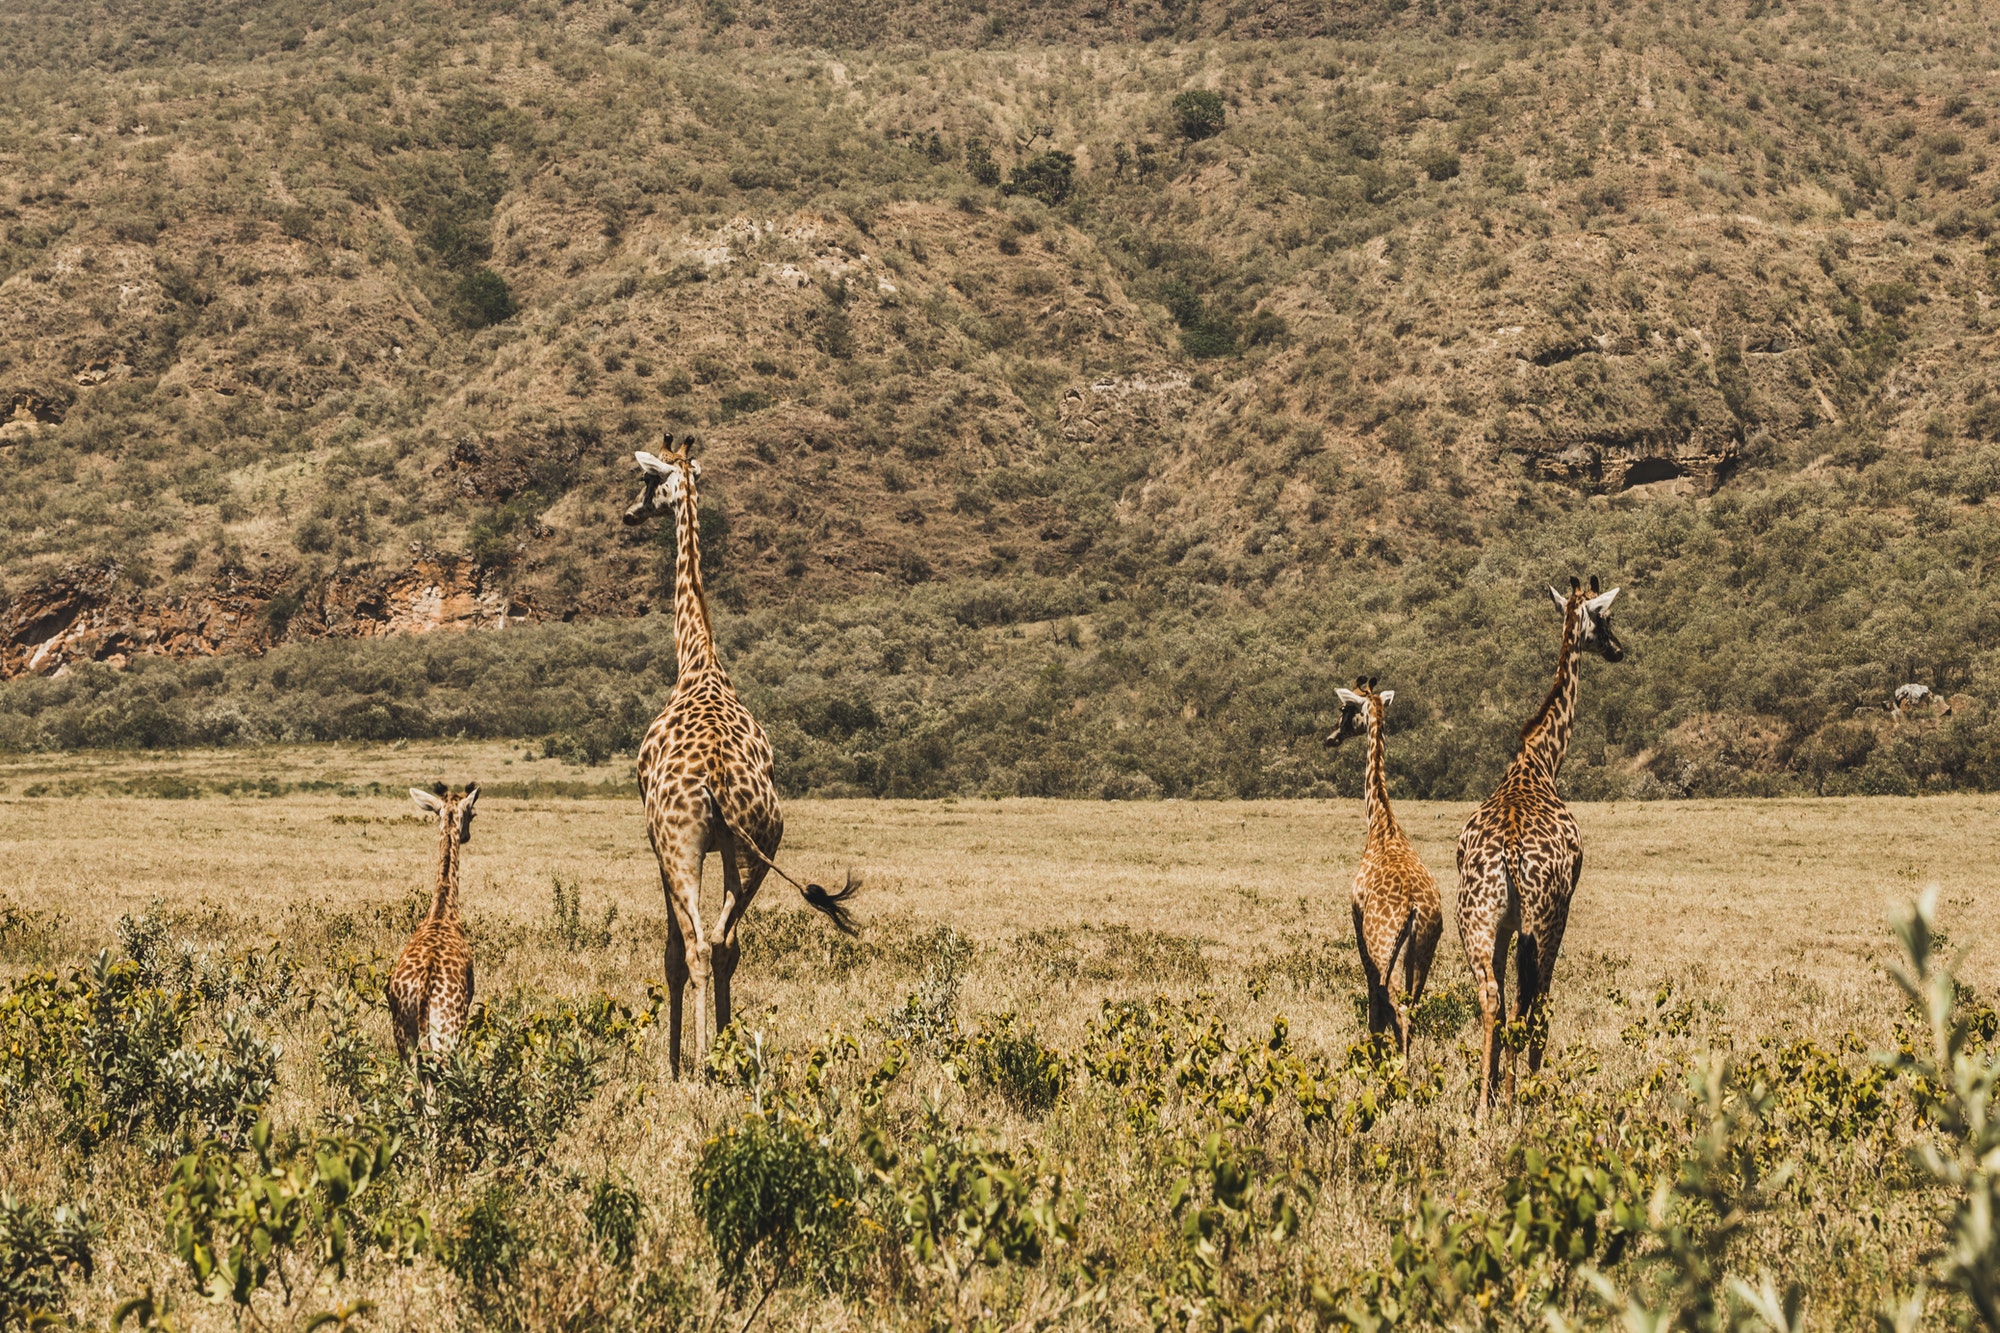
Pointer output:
x,y
1089,1064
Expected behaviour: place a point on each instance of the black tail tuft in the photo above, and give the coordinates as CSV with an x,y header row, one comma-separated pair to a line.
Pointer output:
x,y
832,904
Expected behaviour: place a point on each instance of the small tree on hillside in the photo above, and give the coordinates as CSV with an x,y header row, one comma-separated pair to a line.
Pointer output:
x,y
1050,178
1199,114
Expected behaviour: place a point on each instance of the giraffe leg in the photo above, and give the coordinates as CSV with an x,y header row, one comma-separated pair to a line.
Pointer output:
x,y
1378,999
1497,1045
677,979
1486,980
1416,975
1545,971
737,891
1527,1003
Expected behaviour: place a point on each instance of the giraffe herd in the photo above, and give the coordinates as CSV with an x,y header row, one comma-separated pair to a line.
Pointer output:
x,y
705,776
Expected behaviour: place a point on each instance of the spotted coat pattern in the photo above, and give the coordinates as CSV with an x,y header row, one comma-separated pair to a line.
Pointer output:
x,y
1520,855
430,988
1397,913
705,775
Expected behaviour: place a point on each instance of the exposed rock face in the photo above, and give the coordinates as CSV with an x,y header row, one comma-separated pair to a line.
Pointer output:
x,y
1125,405
89,614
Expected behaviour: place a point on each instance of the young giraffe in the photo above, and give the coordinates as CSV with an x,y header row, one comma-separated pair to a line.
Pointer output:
x,y
1519,856
705,776
430,990
1396,907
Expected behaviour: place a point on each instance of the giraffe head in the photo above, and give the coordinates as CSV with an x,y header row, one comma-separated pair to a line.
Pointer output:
x,y
1357,706
1593,619
451,811
670,477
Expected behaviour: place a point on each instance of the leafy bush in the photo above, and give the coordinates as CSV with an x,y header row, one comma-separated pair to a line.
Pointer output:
x,y
1013,1062
507,1091
1954,1084
484,299
566,924
1198,113
929,1016
962,1203
1439,164
777,1203
1228,1212
39,1250
614,1214
291,1214
1049,177
114,1054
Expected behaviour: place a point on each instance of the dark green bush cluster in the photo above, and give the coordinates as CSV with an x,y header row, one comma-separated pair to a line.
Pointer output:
x,y
40,1249
515,1081
778,1204
109,1054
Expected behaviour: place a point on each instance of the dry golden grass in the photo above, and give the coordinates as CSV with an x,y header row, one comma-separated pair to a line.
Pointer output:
x,y
1772,912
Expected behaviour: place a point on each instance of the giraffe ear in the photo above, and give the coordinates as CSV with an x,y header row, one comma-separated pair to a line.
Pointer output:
x,y
426,801
1350,698
1599,605
694,468
465,812
1388,697
651,465
1562,602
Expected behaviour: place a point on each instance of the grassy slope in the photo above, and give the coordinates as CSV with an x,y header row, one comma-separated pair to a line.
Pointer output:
x,y
236,255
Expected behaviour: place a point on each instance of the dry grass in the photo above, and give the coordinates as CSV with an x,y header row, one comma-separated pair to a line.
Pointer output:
x,y
1770,912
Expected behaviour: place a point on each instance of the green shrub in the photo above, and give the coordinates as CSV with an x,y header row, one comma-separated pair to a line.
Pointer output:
x,y
1198,113
1439,164
39,1250
484,1247
777,1203
290,1214
1013,1062
963,1203
929,1016
1049,177
566,924
614,1214
484,299
979,163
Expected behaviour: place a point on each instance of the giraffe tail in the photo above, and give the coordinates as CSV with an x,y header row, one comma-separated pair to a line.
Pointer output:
x,y
829,903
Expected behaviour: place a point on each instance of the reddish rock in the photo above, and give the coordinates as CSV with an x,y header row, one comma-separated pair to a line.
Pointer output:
x,y
89,614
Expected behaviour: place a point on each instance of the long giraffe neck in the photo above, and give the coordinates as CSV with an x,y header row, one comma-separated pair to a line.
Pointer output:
x,y
444,898
1375,797
694,638
1545,741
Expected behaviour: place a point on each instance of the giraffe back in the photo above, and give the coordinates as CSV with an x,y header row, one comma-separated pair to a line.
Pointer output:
x,y
706,738
1520,853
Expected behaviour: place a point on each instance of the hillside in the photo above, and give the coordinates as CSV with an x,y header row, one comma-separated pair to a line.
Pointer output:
x,y
1061,438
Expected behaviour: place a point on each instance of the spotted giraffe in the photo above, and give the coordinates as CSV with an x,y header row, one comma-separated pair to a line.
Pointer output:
x,y
705,775
430,988
1519,855
1396,908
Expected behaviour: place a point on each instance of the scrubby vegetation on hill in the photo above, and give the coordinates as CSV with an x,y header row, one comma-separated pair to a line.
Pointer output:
x,y
1122,377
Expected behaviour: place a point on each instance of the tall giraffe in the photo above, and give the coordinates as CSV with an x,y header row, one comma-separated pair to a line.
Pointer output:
x,y
705,775
430,988
1396,907
1519,855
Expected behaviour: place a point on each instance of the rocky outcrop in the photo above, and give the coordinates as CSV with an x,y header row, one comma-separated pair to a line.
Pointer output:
x,y
91,614
1124,406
